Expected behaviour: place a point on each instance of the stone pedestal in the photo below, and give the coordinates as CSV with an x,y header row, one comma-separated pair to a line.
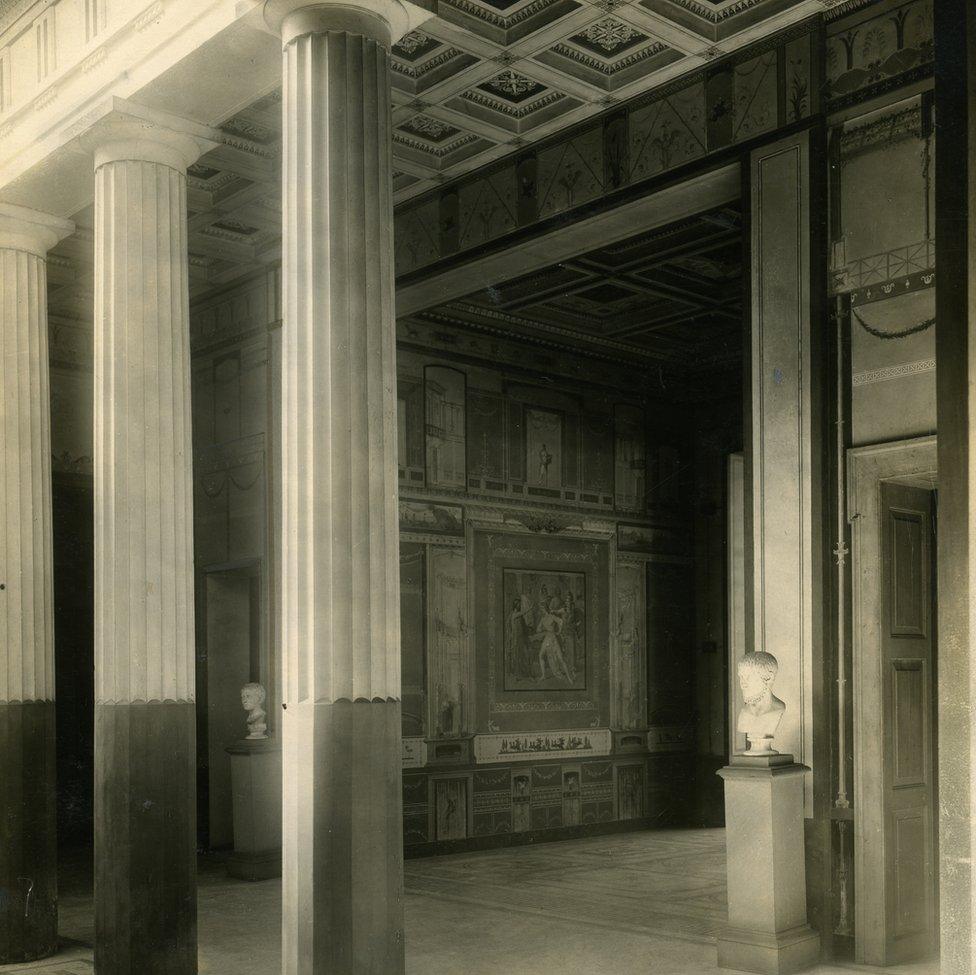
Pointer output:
x,y
255,773
28,828
767,930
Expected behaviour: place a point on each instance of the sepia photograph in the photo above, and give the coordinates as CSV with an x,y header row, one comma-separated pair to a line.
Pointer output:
x,y
487,487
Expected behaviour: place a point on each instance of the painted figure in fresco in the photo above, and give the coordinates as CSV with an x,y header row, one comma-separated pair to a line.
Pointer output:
x,y
551,650
519,650
567,633
572,634
545,459
761,710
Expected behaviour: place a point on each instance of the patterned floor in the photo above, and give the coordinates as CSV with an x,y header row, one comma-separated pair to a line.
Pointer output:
x,y
644,902
667,882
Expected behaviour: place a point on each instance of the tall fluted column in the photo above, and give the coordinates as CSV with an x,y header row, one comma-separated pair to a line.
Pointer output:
x,y
955,356
145,818
342,845
28,789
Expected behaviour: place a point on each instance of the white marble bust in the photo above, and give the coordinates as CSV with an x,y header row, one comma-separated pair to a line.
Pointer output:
x,y
761,710
253,697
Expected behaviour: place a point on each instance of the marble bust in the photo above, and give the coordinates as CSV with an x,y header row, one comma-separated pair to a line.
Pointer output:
x,y
761,710
253,697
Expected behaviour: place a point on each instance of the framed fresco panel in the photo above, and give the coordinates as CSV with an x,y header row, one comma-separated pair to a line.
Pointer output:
x,y
545,632
539,629
543,448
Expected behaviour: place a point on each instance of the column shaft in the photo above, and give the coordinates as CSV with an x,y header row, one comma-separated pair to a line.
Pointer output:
x,y
955,348
28,822
342,855
145,829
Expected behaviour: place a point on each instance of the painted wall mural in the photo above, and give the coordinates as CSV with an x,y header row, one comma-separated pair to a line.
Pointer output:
x,y
543,448
629,680
523,441
545,631
630,461
413,671
447,640
541,630
444,397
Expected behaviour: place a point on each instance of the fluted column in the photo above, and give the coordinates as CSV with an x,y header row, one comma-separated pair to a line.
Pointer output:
x,y
342,844
955,356
145,818
28,788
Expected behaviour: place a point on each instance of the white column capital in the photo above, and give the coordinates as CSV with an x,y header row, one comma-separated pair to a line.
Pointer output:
x,y
386,21
23,229
132,132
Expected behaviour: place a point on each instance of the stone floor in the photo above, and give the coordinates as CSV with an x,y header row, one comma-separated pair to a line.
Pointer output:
x,y
611,905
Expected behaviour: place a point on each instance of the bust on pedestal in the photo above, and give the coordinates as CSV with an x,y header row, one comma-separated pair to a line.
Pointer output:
x,y
767,930
255,768
761,710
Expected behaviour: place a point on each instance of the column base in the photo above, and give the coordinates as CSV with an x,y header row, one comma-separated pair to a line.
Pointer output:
x,y
145,839
28,832
342,888
794,950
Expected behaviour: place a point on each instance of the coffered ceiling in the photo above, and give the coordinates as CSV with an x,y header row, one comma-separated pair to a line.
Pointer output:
x,y
485,77
479,80
668,298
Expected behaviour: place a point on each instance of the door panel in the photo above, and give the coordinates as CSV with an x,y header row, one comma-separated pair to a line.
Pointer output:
x,y
907,648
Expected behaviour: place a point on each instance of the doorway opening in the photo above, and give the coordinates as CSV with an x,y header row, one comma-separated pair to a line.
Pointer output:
x,y
893,503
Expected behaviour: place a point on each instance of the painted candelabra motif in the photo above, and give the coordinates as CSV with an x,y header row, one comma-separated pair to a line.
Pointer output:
x,y
631,621
448,633
545,633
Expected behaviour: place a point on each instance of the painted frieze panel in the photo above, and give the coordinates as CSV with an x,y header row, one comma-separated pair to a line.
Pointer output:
x,y
630,791
668,132
756,97
571,797
415,810
547,796
597,792
492,792
878,49
521,800
416,236
451,808
799,79
431,517
487,208
570,173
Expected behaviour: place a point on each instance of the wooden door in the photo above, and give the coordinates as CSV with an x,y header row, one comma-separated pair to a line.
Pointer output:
x,y
908,722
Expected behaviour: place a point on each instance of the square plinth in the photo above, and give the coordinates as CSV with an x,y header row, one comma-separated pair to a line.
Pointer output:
x,y
782,953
